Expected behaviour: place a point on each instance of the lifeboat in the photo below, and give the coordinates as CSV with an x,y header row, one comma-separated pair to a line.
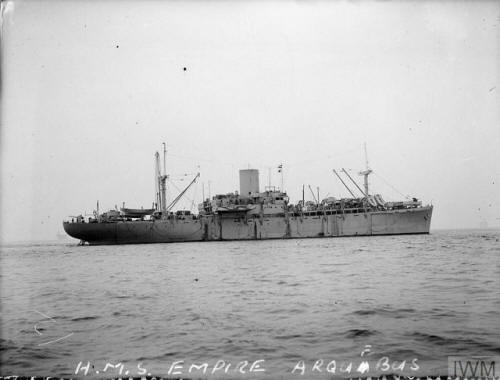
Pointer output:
x,y
136,212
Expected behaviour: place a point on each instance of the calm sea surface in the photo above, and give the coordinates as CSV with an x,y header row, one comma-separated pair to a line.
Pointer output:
x,y
276,304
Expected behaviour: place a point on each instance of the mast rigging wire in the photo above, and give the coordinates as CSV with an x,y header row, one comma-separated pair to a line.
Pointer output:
x,y
392,187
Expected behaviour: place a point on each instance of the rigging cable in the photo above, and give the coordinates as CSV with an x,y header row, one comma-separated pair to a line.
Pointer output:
x,y
172,204
179,190
392,187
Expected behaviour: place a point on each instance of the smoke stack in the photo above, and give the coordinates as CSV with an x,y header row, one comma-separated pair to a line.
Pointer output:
x,y
249,182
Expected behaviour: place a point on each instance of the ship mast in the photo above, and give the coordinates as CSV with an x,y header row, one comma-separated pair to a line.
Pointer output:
x,y
163,182
157,181
365,173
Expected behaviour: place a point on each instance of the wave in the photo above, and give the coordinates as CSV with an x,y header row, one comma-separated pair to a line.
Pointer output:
x,y
356,333
386,312
85,318
461,344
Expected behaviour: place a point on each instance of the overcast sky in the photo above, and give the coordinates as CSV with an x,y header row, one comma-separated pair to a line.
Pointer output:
x,y
91,89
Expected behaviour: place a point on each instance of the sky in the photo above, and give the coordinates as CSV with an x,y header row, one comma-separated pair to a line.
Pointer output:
x,y
90,90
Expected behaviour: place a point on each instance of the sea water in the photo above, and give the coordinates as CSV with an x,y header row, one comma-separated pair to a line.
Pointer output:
x,y
305,308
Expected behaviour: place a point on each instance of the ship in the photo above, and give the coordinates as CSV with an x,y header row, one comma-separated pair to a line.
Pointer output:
x,y
252,214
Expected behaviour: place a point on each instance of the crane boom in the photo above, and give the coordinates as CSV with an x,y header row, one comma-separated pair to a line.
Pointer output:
x,y
314,196
343,183
359,188
178,197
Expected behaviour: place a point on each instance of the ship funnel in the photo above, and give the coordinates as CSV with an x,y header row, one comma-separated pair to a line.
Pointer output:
x,y
249,182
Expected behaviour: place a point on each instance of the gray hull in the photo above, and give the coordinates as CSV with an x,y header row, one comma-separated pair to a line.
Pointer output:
x,y
237,227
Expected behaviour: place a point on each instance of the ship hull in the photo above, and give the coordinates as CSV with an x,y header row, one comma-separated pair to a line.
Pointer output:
x,y
238,227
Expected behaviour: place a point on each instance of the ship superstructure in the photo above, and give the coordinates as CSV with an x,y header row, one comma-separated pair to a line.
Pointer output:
x,y
252,214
